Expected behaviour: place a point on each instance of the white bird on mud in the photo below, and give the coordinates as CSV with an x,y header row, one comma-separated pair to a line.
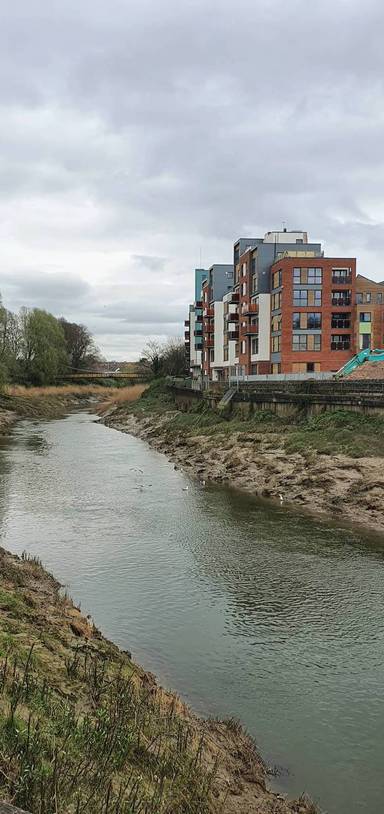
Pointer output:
x,y
185,488
281,498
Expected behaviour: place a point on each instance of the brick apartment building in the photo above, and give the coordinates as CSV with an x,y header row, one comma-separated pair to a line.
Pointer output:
x,y
369,326
312,314
282,307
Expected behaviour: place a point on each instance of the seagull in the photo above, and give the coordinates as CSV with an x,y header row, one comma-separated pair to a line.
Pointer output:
x,y
185,488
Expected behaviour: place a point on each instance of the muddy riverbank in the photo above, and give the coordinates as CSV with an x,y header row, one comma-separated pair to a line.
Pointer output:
x,y
338,485
58,676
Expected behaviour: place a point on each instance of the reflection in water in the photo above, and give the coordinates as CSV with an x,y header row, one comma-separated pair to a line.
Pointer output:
x,y
245,609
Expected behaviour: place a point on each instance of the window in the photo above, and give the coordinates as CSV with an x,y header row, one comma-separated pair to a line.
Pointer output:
x,y
244,269
244,289
299,240
341,298
303,297
314,321
277,279
379,298
304,321
315,276
276,301
307,276
365,341
296,320
304,342
342,276
255,283
341,320
276,368
300,297
368,296
359,299
253,265
243,346
310,367
276,323
276,344
255,345
340,342
365,316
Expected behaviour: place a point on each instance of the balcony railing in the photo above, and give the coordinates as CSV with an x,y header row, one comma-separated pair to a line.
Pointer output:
x,y
209,312
341,280
252,329
186,334
209,342
252,308
186,323
341,302
197,333
232,317
199,304
209,329
235,296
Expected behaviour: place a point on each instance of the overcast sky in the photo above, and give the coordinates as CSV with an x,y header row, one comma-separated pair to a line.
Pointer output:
x,y
135,134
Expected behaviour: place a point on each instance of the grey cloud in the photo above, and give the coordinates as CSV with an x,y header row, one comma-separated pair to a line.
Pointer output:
x,y
133,135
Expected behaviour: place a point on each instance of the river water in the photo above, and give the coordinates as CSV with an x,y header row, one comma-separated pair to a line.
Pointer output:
x,y
244,609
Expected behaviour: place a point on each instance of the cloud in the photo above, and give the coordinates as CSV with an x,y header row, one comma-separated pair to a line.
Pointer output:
x,y
134,136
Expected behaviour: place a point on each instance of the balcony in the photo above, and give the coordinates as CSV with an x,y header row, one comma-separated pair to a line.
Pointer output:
x,y
209,312
344,302
252,308
199,304
233,336
251,330
208,342
341,280
186,323
209,329
235,296
186,335
232,317
197,333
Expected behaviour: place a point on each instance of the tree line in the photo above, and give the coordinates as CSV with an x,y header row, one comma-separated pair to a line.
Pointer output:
x,y
37,348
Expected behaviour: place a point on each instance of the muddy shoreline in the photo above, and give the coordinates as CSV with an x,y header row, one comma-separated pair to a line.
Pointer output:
x,y
337,487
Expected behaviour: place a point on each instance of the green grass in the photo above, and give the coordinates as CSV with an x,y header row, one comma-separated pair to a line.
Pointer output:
x,y
339,431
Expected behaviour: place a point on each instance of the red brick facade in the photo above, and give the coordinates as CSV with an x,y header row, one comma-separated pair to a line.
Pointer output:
x,y
312,314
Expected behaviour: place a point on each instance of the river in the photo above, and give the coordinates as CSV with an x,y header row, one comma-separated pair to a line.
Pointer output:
x,y
244,609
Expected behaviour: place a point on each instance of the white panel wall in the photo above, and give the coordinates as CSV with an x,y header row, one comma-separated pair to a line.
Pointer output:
x,y
264,353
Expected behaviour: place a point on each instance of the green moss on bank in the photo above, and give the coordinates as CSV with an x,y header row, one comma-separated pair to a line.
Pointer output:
x,y
331,432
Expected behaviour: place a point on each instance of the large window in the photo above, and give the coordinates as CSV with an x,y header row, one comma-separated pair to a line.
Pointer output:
x,y
276,344
365,316
307,276
277,279
255,344
304,342
276,323
342,276
306,321
303,297
341,320
340,342
341,298
276,301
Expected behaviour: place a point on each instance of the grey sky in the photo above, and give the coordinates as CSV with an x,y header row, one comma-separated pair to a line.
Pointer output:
x,y
135,133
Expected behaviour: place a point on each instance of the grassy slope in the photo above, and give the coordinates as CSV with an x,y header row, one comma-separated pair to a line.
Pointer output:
x,y
331,432
82,729
85,730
